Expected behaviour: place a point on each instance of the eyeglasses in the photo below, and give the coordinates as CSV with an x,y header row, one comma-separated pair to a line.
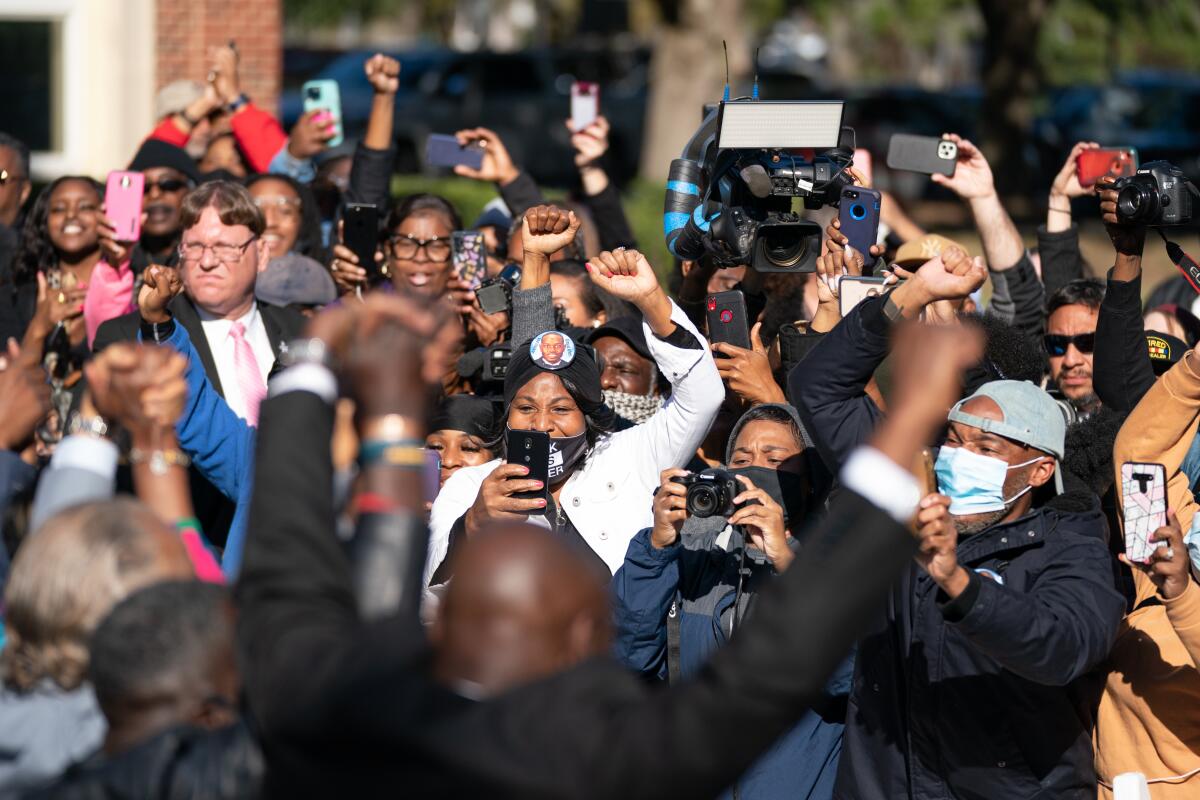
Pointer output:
x,y
405,246
1057,344
192,252
6,176
165,185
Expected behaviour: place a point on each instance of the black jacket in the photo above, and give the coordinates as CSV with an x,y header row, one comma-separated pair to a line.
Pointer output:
x,y
344,707
1122,371
213,509
991,695
179,764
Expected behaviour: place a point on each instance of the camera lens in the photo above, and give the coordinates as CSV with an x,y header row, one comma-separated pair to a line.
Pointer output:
x,y
784,247
1137,202
702,501
858,211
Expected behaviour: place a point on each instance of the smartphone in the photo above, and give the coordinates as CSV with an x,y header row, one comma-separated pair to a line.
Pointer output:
x,y
1115,162
469,257
927,154
360,233
442,150
1144,495
727,319
854,289
925,472
532,449
431,475
858,213
324,95
585,104
862,165
123,204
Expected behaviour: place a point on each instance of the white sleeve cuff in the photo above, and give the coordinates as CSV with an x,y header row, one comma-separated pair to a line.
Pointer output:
x,y
306,377
882,482
87,453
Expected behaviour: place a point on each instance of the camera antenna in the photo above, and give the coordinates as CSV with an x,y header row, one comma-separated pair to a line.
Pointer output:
x,y
754,92
725,47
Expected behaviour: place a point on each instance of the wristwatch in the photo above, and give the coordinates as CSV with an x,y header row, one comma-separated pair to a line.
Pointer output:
x,y
87,426
237,102
306,351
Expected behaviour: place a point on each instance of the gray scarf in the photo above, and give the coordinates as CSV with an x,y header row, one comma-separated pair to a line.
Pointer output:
x,y
637,408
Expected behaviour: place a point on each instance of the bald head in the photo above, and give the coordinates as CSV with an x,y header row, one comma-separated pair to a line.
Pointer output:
x,y
522,606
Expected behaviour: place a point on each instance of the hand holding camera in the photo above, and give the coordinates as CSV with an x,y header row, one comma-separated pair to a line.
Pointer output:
x,y
762,519
670,508
1128,238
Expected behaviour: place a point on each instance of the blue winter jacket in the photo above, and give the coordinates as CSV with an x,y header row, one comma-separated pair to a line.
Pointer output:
x,y
220,444
698,580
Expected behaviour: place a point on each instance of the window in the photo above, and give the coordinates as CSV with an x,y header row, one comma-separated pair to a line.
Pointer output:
x,y
29,93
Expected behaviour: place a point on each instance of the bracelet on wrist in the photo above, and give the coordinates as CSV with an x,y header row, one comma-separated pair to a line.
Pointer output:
x,y
410,453
159,460
94,426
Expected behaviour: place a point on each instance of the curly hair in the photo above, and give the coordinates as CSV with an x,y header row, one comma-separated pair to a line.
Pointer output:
x,y
37,251
64,580
308,240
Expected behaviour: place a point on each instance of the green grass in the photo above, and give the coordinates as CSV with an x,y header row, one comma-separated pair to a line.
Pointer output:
x,y
643,205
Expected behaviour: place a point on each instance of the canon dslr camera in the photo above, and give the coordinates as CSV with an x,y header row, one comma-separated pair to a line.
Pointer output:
x,y
1158,194
710,493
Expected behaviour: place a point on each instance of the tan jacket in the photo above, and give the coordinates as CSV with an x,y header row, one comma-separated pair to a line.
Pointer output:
x,y
1149,716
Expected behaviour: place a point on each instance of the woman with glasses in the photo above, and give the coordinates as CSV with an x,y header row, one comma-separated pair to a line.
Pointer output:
x,y
414,252
293,225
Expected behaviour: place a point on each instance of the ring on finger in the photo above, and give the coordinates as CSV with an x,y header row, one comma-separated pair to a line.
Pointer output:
x,y
62,297
1170,553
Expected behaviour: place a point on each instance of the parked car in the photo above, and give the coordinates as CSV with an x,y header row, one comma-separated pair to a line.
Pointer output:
x,y
523,96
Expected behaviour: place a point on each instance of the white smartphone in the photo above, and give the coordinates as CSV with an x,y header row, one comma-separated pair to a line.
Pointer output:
x,y
585,104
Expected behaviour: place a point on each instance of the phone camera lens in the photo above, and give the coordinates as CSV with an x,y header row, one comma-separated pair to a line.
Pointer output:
x,y
858,211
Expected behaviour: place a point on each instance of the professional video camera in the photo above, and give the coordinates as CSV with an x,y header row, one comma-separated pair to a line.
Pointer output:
x,y
730,194
1157,194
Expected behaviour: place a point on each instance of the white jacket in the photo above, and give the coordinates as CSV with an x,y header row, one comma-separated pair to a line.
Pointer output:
x,y
609,498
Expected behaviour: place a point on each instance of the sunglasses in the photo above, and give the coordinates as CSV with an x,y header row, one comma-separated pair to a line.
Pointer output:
x,y
165,185
1057,344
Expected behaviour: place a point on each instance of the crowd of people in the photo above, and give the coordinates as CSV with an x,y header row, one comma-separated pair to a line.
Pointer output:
x,y
265,534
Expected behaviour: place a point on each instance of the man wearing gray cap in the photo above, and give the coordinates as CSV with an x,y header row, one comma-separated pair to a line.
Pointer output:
x,y
979,679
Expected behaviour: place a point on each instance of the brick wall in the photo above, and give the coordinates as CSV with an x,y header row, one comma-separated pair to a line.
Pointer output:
x,y
188,28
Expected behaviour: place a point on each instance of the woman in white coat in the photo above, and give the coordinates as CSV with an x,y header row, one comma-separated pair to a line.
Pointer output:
x,y
601,483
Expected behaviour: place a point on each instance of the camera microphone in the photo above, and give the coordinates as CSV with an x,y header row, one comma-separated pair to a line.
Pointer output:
x,y
757,179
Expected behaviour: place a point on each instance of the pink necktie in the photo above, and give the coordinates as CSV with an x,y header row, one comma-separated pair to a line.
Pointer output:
x,y
249,378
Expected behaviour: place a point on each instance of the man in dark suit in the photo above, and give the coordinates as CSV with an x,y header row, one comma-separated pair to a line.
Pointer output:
x,y
348,695
237,338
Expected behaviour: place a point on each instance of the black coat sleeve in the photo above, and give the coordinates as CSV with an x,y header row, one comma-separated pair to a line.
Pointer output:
x,y
1027,297
522,194
828,387
121,329
1121,371
1062,262
612,225
371,176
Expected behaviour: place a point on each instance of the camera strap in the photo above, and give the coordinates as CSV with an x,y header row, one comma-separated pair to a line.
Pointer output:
x,y
1183,262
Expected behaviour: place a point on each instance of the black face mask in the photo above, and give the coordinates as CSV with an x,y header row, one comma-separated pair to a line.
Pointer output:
x,y
789,489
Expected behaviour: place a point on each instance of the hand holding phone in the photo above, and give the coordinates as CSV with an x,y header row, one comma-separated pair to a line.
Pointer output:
x,y
530,449
123,204
727,319
360,234
1144,503
443,150
853,289
324,96
469,257
858,214
1105,162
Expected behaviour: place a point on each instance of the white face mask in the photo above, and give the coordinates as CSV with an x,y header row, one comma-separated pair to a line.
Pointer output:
x,y
973,482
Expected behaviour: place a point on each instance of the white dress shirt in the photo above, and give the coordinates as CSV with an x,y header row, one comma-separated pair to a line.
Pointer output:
x,y
220,342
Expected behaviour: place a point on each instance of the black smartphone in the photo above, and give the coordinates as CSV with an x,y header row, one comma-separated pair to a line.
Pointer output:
x,y
360,233
531,449
927,154
858,213
727,319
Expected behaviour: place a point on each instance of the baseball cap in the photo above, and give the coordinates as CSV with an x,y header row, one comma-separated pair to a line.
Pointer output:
x,y
918,251
1165,350
176,96
628,329
293,279
1031,416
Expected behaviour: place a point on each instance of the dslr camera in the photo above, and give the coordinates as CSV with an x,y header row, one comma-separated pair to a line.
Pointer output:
x,y
710,493
730,195
1158,194
495,294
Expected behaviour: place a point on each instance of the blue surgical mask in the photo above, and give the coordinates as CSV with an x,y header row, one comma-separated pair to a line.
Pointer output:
x,y
974,483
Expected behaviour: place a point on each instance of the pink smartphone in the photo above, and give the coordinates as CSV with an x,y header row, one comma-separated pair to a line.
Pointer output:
x,y
585,104
123,204
1144,497
862,165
